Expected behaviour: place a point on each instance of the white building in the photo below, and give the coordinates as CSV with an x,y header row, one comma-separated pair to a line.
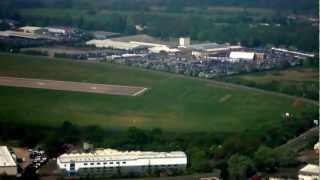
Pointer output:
x,y
111,162
8,165
309,172
30,29
206,50
114,44
296,53
316,147
107,43
241,55
184,42
56,30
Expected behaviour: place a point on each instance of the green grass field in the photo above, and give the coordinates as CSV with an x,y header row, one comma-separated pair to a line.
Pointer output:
x,y
300,81
174,103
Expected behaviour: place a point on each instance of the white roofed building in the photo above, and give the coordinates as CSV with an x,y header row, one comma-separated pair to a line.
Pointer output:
x,y
30,29
309,172
113,162
241,55
56,30
107,43
206,50
8,165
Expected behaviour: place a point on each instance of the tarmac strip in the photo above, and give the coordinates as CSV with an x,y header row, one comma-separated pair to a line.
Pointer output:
x,y
73,86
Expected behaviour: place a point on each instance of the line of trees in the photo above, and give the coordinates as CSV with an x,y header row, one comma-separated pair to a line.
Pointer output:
x,y
298,6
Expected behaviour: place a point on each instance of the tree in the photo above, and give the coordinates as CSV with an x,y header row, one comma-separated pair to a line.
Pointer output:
x,y
199,161
265,159
286,157
239,167
136,137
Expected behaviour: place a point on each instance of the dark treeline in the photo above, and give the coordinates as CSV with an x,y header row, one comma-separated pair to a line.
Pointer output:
x,y
296,6
240,27
205,150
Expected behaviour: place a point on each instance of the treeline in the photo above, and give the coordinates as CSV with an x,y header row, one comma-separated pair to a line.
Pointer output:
x,y
251,151
198,27
296,6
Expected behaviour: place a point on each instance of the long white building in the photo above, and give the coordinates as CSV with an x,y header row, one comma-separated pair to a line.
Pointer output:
x,y
8,165
309,172
114,162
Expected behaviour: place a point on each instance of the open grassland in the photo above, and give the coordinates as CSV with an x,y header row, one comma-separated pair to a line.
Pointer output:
x,y
294,75
174,103
302,82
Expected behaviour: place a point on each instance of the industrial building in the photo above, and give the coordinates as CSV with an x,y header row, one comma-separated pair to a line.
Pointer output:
x,y
18,34
110,162
30,29
184,42
56,30
294,53
8,165
309,172
241,55
107,43
133,43
206,50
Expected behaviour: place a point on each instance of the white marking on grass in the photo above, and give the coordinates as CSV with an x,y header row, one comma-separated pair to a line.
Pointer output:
x,y
140,92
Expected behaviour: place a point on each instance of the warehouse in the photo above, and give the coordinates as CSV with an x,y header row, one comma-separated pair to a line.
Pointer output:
x,y
241,55
309,172
30,29
294,53
107,43
18,34
206,50
108,162
8,165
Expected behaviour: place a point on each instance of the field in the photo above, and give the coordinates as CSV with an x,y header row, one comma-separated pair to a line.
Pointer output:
x,y
302,82
72,86
174,103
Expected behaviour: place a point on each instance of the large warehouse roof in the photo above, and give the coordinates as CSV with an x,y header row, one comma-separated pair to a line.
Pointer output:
x,y
19,34
5,157
310,168
107,43
210,47
242,55
111,154
30,28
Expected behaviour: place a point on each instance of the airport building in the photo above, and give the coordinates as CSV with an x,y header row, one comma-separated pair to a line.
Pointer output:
x,y
110,162
184,42
207,50
309,172
107,43
30,29
8,165
293,53
241,55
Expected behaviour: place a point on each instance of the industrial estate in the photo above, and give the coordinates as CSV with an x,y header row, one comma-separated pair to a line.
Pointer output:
x,y
101,90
